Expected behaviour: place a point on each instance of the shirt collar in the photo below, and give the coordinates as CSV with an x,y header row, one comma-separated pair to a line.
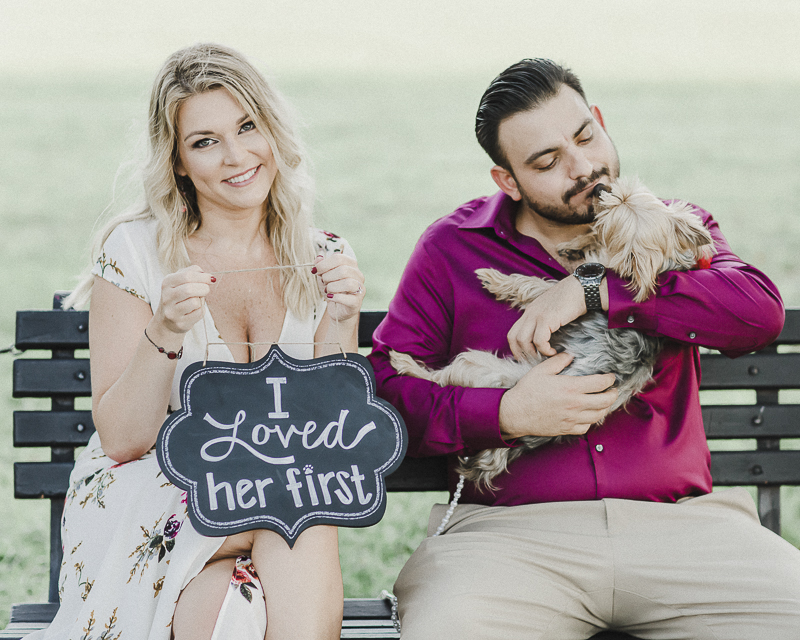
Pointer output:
x,y
495,212
498,212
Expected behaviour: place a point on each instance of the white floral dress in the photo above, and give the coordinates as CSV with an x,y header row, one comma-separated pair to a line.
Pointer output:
x,y
129,548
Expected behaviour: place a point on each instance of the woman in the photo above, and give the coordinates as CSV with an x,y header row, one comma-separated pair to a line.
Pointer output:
x,y
219,260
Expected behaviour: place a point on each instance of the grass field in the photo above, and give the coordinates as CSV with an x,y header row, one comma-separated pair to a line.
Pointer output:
x,y
391,154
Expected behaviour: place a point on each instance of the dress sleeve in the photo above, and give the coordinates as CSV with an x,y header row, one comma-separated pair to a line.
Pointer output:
x,y
440,420
730,306
120,263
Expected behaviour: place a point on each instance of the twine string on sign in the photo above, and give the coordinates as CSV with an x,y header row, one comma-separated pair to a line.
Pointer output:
x,y
250,345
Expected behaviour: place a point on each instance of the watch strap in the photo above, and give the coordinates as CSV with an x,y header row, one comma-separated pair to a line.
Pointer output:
x,y
591,292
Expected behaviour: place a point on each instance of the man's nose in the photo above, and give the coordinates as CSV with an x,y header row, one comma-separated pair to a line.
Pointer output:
x,y
579,165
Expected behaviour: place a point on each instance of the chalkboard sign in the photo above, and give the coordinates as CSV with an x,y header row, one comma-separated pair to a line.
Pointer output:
x,y
281,444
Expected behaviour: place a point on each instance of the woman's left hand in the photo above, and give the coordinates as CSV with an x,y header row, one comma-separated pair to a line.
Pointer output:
x,y
342,282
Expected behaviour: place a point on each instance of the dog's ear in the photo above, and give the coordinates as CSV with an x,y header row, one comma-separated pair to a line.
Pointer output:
x,y
639,266
691,236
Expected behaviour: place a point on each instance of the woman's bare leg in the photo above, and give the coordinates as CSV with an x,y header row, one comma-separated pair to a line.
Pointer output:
x,y
302,586
201,600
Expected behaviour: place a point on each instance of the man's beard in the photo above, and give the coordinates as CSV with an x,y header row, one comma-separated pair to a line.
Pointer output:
x,y
567,214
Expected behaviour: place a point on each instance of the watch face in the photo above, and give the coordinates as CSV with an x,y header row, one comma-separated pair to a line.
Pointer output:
x,y
590,270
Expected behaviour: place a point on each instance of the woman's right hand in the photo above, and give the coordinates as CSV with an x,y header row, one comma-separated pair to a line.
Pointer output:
x,y
182,297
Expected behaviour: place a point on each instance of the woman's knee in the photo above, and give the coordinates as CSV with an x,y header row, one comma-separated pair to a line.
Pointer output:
x,y
239,544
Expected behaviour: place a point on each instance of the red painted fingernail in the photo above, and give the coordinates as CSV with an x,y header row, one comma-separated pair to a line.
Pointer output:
x,y
330,295
213,279
313,269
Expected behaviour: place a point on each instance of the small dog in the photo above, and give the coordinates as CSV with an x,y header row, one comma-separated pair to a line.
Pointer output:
x,y
634,234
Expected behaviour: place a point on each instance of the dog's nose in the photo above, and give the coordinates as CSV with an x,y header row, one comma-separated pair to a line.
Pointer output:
x,y
600,188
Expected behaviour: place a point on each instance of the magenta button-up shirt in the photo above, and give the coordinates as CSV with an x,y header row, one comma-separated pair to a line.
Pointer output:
x,y
653,449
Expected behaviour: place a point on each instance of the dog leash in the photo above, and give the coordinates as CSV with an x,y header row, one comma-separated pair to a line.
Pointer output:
x,y
386,595
451,509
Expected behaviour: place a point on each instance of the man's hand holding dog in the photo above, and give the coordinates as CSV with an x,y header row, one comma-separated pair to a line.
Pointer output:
x,y
560,305
544,403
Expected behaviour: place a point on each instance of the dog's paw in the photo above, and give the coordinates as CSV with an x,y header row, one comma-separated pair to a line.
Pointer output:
x,y
516,289
492,280
405,365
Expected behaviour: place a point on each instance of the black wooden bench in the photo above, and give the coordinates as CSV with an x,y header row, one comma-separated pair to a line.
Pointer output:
x,y
62,377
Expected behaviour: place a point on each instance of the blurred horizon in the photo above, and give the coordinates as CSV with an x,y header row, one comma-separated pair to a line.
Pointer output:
x,y
713,40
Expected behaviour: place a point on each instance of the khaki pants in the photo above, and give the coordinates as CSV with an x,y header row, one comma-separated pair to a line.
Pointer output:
x,y
700,569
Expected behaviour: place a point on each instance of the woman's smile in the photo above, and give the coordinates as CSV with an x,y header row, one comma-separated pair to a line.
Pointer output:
x,y
242,178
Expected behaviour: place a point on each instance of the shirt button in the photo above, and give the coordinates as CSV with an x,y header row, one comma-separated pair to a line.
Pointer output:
x,y
630,319
599,448
692,335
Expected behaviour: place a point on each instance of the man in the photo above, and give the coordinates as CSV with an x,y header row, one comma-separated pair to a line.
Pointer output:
x,y
614,527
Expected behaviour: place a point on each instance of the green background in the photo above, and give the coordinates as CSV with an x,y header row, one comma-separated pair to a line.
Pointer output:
x,y
701,101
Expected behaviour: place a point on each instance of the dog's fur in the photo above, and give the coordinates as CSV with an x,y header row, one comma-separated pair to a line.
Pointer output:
x,y
636,235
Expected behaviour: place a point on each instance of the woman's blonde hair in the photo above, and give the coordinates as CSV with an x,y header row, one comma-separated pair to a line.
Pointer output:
x,y
171,200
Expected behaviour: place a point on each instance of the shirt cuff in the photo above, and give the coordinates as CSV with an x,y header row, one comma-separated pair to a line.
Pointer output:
x,y
479,418
623,312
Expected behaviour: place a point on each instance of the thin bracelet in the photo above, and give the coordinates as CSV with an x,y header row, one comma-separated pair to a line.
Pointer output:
x,y
170,354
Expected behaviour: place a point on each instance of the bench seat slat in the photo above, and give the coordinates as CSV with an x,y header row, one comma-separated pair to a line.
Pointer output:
x,y
36,378
52,428
729,468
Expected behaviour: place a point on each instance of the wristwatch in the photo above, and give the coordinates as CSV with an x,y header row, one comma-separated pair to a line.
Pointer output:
x,y
590,275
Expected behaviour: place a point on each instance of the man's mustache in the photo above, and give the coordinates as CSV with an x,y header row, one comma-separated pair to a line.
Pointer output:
x,y
580,185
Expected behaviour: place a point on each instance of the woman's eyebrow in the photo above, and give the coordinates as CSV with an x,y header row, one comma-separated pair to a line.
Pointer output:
x,y
210,133
198,133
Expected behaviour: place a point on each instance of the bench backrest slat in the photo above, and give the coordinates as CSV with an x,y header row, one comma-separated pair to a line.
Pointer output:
x,y
752,421
753,371
46,330
45,378
738,468
41,479
52,428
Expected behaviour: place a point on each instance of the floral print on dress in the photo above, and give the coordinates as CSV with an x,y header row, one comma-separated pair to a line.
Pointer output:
x,y
332,243
157,542
98,483
245,578
107,631
107,263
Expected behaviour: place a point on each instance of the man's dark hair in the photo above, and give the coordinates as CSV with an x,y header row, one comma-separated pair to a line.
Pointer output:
x,y
522,87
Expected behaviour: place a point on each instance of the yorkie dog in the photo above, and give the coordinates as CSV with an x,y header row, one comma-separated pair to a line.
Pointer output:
x,y
634,234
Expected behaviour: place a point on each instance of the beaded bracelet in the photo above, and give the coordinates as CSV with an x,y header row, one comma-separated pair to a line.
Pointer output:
x,y
172,355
